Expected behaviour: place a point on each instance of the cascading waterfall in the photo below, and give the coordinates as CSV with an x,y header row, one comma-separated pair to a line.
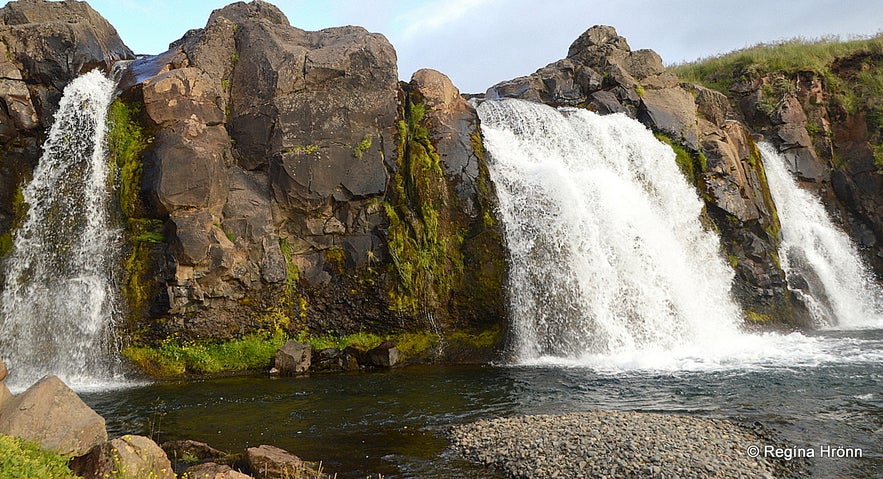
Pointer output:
x,y
58,299
820,261
608,255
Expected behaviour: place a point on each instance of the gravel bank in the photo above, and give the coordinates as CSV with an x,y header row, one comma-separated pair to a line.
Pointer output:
x,y
616,445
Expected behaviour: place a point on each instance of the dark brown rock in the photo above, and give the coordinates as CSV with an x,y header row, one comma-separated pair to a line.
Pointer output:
x,y
52,415
176,450
384,356
293,358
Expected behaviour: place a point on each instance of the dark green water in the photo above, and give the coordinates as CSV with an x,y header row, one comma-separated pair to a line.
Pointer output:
x,y
394,422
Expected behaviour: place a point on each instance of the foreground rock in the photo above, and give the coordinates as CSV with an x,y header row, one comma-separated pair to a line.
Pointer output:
x,y
210,470
52,415
614,444
127,456
270,462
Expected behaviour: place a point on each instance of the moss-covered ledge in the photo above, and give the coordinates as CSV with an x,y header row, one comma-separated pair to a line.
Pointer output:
x,y
255,352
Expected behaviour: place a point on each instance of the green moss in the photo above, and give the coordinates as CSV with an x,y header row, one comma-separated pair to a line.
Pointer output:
x,y
690,164
126,141
640,91
303,149
756,317
19,215
171,359
423,242
250,352
21,459
363,146
487,338
733,259
291,270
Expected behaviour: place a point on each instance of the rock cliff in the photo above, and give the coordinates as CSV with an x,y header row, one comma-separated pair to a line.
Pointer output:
x,y
829,125
289,181
715,152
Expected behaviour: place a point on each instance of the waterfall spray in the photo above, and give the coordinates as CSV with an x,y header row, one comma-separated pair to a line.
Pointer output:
x,y
608,255
58,299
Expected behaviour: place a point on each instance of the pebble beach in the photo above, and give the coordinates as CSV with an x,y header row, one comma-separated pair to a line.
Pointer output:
x,y
606,444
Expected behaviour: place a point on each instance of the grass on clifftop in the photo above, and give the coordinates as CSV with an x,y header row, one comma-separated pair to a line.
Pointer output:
x,y
21,459
789,56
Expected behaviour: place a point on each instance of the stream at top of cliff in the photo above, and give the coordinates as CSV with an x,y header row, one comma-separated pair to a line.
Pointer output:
x,y
819,389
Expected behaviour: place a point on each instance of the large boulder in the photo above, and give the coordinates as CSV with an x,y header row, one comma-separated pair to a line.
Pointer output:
x,y
125,457
52,415
266,136
5,394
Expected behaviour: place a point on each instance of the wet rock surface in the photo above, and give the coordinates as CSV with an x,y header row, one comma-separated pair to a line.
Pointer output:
x,y
615,445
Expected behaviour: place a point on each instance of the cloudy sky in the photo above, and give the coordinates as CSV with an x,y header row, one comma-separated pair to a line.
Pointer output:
x,y
481,42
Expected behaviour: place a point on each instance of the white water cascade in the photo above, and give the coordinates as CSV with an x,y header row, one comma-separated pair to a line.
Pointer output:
x,y
58,299
608,255
822,264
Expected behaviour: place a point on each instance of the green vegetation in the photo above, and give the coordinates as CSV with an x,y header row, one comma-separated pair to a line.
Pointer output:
x,y
126,141
640,91
789,56
303,149
690,164
170,359
291,270
251,352
19,214
21,459
423,243
755,317
363,146
851,72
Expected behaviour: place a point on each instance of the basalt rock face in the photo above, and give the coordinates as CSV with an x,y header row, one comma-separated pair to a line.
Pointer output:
x,y
273,167
602,74
831,149
43,46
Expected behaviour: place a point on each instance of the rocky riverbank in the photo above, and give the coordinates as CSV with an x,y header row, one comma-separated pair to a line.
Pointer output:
x,y
608,444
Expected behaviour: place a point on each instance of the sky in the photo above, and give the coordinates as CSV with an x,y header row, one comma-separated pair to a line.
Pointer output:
x,y
479,43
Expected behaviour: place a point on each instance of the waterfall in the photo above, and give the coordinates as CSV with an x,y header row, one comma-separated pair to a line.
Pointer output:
x,y
608,255
58,299
821,263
